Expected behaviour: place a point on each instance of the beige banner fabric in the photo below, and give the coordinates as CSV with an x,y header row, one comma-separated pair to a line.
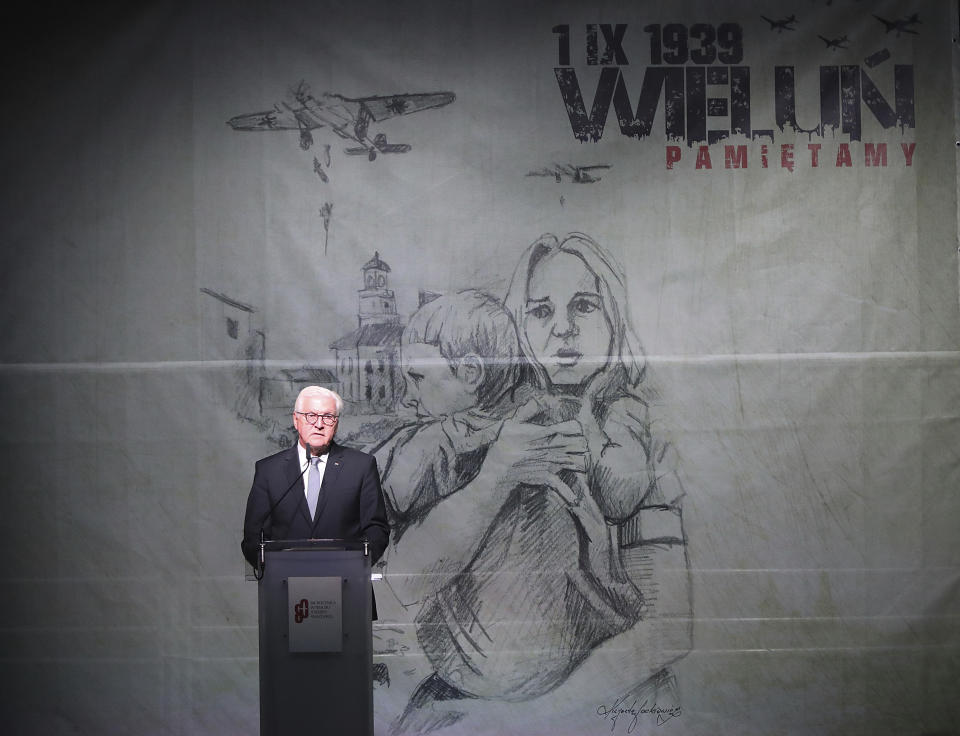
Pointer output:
x,y
648,311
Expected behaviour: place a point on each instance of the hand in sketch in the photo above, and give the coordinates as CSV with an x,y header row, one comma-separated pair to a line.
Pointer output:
x,y
619,447
592,391
532,454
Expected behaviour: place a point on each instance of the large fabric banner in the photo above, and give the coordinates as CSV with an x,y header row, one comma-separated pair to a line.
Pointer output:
x,y
649,313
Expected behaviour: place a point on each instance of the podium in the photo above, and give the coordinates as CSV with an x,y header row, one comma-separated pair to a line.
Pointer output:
x,y
316,638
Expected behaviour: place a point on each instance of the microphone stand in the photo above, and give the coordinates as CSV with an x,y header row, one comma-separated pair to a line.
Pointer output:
x,y
258,569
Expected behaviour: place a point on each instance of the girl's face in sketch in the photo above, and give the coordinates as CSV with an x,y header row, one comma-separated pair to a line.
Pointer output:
x,y
565,320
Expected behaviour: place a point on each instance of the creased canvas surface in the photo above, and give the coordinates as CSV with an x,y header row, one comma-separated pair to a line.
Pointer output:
x,y
648,311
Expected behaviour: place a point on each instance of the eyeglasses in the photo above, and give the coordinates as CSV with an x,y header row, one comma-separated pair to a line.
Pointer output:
x,y
328,419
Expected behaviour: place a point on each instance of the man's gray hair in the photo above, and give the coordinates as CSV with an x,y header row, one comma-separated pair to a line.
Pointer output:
x,y
318,391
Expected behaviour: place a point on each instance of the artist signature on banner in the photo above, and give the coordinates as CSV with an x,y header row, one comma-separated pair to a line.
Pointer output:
x,y
633,712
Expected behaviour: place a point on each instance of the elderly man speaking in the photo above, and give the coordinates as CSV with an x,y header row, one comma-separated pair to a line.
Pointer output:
x,y
316,489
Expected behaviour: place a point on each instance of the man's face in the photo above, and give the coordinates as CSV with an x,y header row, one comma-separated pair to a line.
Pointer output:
x,y
434,389
317,435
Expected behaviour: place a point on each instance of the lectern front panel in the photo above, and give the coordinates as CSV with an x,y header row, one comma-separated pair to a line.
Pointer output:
x,y
316,673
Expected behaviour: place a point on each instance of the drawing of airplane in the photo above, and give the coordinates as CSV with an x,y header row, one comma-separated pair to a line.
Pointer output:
x,y
835,43
783,24
348,117
577,174
901,26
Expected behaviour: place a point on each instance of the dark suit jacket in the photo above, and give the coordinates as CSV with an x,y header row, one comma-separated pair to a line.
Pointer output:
x,y
351,503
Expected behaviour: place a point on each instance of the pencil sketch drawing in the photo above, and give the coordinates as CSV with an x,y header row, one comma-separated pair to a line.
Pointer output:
x,y
835,44
901,25
348,117
781,24
233,332
326,212
532,490
530,440
576,174
367,358
318,169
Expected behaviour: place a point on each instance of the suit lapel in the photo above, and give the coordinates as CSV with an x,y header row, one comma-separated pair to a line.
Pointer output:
x,y
330,474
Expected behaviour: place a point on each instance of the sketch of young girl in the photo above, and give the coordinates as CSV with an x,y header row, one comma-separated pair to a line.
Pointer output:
x,y
573,515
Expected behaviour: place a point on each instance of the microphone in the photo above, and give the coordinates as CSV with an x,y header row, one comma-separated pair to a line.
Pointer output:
x,y
258,571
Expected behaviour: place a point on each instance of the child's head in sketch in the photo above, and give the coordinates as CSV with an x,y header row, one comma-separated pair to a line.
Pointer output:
x,y
459,351
569,301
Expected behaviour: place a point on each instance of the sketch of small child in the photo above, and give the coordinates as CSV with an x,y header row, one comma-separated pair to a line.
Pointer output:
x,y
460,360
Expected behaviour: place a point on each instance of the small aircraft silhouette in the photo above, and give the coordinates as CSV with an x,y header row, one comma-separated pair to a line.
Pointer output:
x,y
835,43
348,117
783,24
901,26
577,174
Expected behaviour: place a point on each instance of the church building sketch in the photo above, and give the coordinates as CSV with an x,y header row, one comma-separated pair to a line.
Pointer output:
x,y
367,357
